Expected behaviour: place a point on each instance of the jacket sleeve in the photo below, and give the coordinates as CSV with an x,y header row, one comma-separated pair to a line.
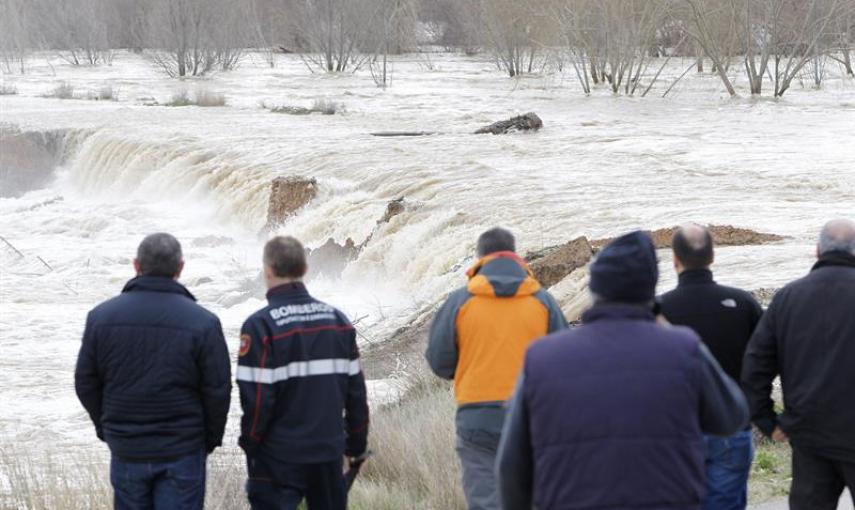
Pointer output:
x,y
759,369
216,384
756,312
723,408
557,321
442,351
514,461
87,380
255,384
356,406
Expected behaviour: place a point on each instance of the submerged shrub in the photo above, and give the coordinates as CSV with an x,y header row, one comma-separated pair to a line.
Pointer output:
x,y
62,91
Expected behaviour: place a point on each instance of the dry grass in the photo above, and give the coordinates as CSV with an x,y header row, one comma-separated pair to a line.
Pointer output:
x,y
414,466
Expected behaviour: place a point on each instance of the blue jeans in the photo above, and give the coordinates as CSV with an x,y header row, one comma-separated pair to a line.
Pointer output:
x,y
728,464
177,484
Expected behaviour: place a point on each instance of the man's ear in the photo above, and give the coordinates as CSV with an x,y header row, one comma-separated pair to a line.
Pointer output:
x,y
137,267
678,266
180,269
818,253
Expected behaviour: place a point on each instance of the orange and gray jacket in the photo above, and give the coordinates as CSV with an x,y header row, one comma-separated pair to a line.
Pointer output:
x,y
480,334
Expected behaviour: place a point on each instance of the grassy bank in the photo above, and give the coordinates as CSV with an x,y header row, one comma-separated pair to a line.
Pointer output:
x,y
414,466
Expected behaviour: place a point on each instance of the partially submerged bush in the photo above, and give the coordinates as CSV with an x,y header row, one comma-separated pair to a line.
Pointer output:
x,y
180,98
322,106
205,97
201,97
105,93
326,107
62,91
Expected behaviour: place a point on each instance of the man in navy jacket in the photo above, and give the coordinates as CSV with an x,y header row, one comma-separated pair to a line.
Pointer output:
x,y
302,391
610,415
154,375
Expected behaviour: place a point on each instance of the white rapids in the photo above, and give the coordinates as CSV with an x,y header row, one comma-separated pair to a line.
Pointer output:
x,y
602,165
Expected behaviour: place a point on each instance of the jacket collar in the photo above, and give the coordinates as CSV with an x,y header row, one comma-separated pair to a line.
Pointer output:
x,y
288,291
157,284
695,277
835,258
617,311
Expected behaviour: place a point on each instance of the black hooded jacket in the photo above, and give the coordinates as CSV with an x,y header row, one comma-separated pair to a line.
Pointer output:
x,y
807,336
154,372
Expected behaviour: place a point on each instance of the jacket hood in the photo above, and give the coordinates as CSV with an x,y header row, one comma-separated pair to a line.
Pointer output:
x,y
157,284
501,274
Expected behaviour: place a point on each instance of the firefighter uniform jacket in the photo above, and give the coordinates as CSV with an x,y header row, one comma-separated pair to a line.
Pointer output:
x,y
301,385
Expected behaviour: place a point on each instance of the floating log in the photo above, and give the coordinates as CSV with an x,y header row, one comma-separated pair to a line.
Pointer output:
x,y
528,122
403,133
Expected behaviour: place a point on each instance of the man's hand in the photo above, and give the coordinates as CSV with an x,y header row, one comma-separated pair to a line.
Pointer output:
x,y
345,465
779,436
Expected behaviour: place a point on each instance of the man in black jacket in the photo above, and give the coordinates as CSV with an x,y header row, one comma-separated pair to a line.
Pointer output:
x,y
725,318
807,336
302,391
154,375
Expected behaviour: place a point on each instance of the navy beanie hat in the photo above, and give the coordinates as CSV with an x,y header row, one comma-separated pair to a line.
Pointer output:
x,y
626,270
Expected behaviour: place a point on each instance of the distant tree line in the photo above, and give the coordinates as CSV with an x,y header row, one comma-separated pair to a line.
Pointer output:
x,y
621,44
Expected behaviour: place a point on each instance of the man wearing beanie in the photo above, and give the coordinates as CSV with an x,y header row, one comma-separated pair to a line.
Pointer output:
x,y
612,414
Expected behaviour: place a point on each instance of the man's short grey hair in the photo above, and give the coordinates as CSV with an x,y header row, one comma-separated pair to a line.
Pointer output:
x,y
160,255
837,235
286,257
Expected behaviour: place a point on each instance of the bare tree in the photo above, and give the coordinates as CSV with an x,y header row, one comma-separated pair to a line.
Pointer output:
x,y
516,32
194,37
333,33
80,30
15,34
711,24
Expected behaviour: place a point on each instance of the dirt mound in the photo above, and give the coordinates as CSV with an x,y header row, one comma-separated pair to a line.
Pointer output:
x,y
287,195
723,235
553,264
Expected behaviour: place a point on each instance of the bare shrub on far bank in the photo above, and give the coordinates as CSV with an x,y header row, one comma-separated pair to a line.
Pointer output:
x,y
8,90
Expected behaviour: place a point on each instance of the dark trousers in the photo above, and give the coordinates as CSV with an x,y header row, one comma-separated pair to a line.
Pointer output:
x,y
818,481
282,486
173,485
